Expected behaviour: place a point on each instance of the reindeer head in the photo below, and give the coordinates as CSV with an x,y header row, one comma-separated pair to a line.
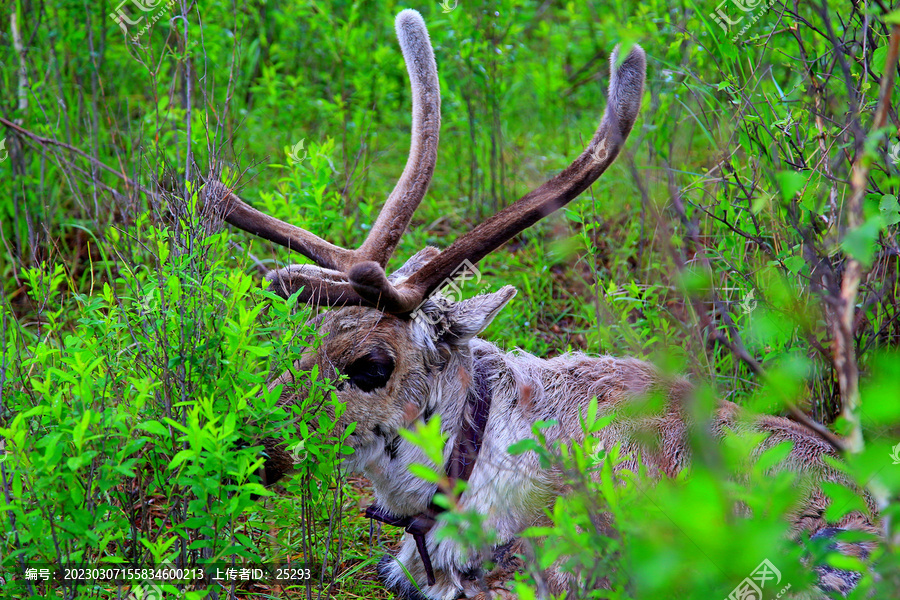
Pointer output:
x,y
396,338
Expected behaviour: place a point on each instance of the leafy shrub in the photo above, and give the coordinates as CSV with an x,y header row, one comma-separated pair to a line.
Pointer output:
x,y
133,415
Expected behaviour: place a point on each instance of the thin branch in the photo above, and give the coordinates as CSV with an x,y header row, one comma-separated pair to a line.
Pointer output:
x,y
97,163
844,347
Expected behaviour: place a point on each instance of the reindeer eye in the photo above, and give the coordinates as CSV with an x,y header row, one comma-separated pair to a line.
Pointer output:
x,y
370,372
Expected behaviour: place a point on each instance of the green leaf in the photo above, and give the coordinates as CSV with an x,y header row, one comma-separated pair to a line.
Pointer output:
x,y
846,563
794,264
592,411
522,446
889,209
862,242
523,592
180,458
423,472
879,58
154,427
790,183
775,455
80,428
176,425
881,385
843,501
538,532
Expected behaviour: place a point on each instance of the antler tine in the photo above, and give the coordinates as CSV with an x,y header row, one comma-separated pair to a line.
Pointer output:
x,y
625,91
325,287
426,124
398,209
243,216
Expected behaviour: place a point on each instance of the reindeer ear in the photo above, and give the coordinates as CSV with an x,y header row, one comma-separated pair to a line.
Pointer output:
x,y
468,318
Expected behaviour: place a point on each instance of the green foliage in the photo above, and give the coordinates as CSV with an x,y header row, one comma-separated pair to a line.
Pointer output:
x,y
695,536
136,346
138,425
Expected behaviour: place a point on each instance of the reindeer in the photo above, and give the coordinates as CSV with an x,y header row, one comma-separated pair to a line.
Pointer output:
x,y
409,353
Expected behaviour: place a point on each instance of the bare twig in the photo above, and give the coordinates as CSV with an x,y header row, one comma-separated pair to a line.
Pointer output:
x,y
844,346
23,70
734,343
51,142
